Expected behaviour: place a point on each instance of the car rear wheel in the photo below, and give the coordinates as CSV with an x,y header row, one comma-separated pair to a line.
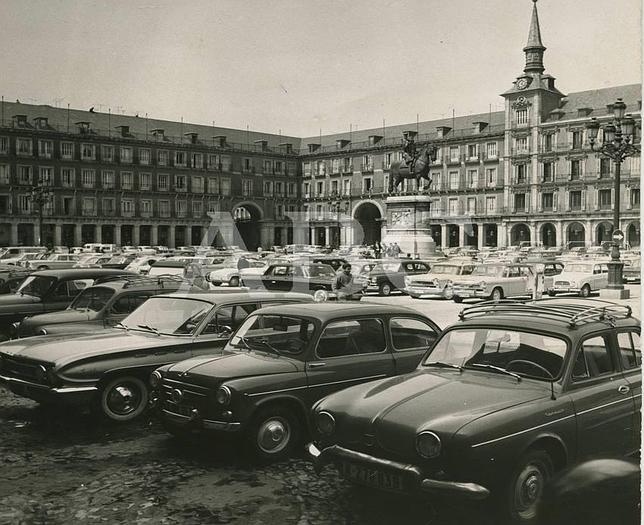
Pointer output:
x,y
319,296
448,292
385,289
552,293
526,487
234,281
585,291
274,433
457,299
123,398
497,294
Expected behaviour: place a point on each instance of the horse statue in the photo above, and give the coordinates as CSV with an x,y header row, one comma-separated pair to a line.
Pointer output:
x,y
400,171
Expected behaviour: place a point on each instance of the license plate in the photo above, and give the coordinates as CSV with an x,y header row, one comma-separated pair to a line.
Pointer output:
x,y
182,410
373,477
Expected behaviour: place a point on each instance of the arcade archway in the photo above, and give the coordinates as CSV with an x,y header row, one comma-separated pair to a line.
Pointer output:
x,y
369,220
576,235
548,235
519,233
633,234
247,231
604,232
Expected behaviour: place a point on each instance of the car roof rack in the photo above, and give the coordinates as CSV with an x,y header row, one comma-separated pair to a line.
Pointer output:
x,y
574,314
163,280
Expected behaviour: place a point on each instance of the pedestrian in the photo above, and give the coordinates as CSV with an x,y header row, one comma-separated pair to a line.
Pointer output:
x,y
377,249
396,250
344,283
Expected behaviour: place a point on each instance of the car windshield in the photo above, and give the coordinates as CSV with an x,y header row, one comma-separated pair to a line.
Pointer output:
x,y
446,269
169,315
36,285
524,353
387,267
277,334
578,268
491,271
93,298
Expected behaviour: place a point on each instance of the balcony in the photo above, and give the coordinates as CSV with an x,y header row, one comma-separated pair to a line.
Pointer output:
x,y
366,168
472,159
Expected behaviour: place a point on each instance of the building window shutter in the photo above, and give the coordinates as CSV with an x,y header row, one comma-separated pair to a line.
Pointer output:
x,y
583,199
627,196
539,201
555,200
567,197
596,199
570,170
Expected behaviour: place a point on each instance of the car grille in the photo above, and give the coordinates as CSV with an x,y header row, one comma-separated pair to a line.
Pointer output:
x,y
192,396
20,370
562,283
426,284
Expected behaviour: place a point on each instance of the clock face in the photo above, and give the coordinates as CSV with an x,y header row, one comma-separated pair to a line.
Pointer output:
x,y
522,83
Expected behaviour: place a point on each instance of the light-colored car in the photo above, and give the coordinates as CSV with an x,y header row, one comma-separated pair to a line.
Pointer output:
x,y
495,281
231,276
25,258
142,264
13,253
57,261
582,277
437,284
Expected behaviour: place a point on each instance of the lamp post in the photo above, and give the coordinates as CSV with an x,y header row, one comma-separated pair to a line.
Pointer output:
x,y
618,144
40,195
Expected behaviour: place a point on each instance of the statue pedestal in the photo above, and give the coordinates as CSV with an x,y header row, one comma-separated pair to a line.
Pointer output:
x,y
407,224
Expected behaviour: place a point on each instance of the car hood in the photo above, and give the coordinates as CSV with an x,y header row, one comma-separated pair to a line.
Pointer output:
x,y
210,370
9,301
394,410
61,349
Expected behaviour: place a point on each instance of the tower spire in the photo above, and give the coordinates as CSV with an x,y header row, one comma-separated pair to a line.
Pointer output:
x,y
534,49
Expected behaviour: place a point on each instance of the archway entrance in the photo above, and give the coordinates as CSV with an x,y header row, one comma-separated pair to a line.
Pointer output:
x,y
437,234
491,235
633,234
452,235
247,231
519,233
576,235
604,232
548,235
471,235
107,233
26,235
369,218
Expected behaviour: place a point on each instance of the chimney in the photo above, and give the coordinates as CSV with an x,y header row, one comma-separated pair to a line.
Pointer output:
x,y
443,131
219,140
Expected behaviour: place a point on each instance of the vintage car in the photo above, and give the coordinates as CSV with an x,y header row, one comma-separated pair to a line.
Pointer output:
x,y
108,370
56,261
120,262
231,276
632,272
508,396
11,277
282,360
438,282
102,305
389,275
494,281
46,291
583,278
314,278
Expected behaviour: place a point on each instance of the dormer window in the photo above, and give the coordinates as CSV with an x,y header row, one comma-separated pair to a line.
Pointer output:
x,y
219,140
374,140
313,147
125,130
262,144
19,121
41,122
479,126
192,137
158,133
342,143
83,127
288,147
443,131
584,112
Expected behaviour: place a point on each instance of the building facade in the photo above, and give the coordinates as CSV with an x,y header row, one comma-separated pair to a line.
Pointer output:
x,y
525,174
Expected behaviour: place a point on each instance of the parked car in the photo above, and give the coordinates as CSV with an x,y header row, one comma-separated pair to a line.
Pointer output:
x,y
438,282
26,258
109,370
13,253
506,397
231,276
142,264
632,272
56,261
102,305
120,262
583,278
46,291
495,281
283,359
93,261
389,276
11,277
316,279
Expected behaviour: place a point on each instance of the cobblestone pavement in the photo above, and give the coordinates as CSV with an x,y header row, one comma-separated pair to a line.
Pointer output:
x,y
60,467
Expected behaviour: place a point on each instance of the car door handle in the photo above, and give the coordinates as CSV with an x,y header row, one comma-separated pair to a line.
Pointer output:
x,y
317,365
624,389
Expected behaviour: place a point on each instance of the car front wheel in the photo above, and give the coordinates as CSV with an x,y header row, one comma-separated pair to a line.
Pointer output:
x,y
123,398
457,299
234,282
585,291
274,432
526,487
497,294
385,289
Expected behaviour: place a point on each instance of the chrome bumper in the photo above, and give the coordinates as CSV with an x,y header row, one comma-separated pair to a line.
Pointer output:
x,y
424,293
470,292
335,453
196,422
22,387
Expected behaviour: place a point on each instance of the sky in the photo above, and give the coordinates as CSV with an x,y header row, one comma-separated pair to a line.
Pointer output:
x,y
303,66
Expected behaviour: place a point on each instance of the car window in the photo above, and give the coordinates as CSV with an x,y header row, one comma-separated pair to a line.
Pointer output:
x,y
351,337
229,317
128,303
513,272
593,359
407,334
629,349
280,270
274,333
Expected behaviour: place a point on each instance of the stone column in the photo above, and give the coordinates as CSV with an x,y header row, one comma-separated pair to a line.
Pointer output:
x,y
444,240
502,235
58,234
98,235
327,235
154,234
37,233
117,234
559,232
78,235
312,236
590,234
481,231
171,241
136,234
461,235
533,234
188,236
13,236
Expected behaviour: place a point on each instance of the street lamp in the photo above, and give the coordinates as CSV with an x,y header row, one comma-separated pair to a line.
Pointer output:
x,y
40,196
618,144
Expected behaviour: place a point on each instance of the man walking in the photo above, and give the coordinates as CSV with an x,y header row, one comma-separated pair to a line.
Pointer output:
x,y
344,282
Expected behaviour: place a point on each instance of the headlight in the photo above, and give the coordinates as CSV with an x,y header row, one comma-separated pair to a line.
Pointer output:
x,y
325,423
407,280
436,283
223,395
41,374
428,444
41,331
482,284
155,379
573,284
449,283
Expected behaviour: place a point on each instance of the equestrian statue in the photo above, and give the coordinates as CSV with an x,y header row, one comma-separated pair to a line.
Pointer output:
x,y
414,165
